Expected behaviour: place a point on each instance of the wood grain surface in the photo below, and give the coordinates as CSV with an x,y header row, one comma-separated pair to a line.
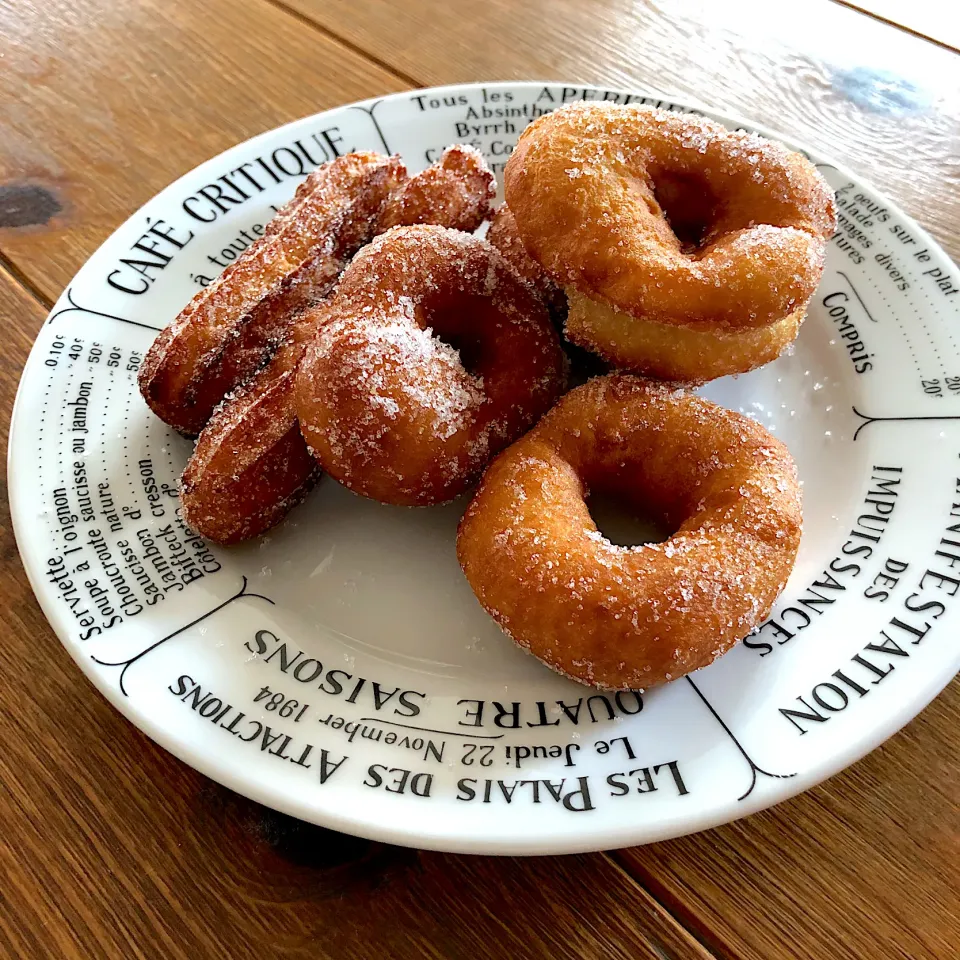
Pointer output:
x,y
112,848
883,102
865,865
97,120
931,19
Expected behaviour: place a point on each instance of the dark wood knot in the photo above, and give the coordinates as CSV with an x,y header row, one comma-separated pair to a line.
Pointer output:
x,y
27,205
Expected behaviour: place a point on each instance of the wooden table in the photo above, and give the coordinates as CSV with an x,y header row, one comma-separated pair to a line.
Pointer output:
x,y
111,847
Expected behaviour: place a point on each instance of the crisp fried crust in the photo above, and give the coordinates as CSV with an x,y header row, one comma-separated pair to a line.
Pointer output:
x,y
660,220
251,466
456,191
505,236
251,463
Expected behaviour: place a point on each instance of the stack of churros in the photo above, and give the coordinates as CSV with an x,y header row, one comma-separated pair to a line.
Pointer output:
x,y
224,369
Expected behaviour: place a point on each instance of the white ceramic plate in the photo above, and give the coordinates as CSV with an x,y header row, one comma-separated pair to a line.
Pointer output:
x,y
341,670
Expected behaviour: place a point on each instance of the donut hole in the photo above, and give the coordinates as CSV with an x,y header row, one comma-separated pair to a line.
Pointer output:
x,y
690,207
622,522
458,323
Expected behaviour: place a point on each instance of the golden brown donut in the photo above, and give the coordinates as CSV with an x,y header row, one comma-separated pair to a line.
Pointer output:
x,y
632,617
231,327
658,223
666,351
433,356
251,465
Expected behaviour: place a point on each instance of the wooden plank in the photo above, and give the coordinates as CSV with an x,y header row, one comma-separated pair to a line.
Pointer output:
x,y
865,865
881,101
112,847
106,103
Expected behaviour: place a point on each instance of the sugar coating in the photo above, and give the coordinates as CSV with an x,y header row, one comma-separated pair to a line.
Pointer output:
x,y
239,318
456,191
384,396
504,235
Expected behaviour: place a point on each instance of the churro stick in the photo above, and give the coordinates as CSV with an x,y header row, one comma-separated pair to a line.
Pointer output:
x,y
230,328
251,465
456,191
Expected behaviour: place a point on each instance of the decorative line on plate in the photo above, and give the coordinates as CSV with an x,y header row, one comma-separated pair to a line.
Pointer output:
x,y
446,733
857,295
376,126
868,420
754,769
130,661
96,313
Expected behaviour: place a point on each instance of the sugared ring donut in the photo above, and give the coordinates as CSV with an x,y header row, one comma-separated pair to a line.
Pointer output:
x,y
678,241
432,356
632,617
